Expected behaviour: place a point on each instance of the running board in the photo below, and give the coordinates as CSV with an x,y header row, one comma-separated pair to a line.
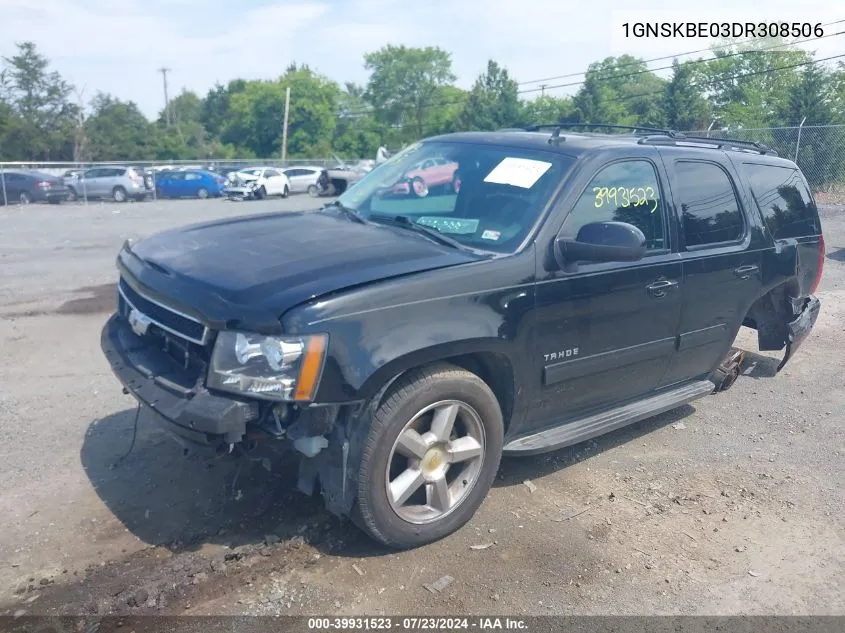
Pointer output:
x,y
600,423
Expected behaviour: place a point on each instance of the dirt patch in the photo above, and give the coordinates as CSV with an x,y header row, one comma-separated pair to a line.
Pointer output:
x,y
100,299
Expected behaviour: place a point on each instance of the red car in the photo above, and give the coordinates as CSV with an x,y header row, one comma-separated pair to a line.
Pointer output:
x,y
428,174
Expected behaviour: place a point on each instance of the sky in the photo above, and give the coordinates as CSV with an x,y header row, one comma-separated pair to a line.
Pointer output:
x,y
116,46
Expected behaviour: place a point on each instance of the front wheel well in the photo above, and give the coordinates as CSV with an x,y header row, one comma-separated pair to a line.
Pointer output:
x,y
493,368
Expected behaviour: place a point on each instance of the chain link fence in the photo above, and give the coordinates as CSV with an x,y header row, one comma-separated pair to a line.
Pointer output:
x,y
65,170
819,150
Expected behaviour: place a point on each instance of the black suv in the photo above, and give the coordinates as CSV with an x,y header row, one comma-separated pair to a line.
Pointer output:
x,y
556,286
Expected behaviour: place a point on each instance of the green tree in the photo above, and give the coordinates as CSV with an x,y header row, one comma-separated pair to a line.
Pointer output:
x,y
186,107
117,130
549,109
404,83
493,101
256,115
357,134
683,102
215,106
622,91
44,126
751,88
441,117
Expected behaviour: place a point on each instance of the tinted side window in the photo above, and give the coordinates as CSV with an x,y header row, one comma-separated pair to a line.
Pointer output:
x,y
270,173
622,192
708,204
783,199
192,176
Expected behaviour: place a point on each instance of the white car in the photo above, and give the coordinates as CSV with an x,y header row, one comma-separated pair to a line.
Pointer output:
x,y
266,181
303,178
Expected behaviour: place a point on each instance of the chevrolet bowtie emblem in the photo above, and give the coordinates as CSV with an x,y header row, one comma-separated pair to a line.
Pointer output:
x,y
139,322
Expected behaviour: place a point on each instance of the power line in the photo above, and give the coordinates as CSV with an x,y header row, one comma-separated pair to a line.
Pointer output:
x,y
688,63
665,57
365,111
661,92
739,76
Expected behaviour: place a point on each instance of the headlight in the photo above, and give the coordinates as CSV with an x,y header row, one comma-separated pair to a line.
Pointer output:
x,y
269,367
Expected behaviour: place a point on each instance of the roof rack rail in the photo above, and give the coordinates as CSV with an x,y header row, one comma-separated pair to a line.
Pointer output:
x,y
716,141
632,128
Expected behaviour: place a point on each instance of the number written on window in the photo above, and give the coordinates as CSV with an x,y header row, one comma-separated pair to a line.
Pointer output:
x,y
626,191
626,197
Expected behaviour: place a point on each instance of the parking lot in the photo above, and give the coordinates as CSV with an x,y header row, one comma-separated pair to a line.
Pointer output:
x,y
732,505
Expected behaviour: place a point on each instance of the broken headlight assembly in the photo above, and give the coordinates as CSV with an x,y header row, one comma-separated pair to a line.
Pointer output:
x,y
285,368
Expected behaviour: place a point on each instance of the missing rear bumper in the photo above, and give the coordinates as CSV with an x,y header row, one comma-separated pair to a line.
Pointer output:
x,y
807,309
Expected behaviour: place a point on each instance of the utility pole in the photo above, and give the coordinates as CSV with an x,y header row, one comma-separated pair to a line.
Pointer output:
x,y
543,90
285,124
164,72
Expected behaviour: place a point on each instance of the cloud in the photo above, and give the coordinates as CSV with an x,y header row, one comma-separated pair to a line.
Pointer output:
x,y
118,46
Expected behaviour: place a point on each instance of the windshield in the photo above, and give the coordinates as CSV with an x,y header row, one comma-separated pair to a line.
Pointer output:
x,y
482,196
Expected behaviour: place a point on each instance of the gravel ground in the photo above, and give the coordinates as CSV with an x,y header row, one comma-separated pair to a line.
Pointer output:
x,y
732,505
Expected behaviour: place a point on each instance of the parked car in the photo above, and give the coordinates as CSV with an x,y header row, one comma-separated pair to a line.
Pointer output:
x,y
258,183
194,183
116,182
23,187
427,175
574,285
303,179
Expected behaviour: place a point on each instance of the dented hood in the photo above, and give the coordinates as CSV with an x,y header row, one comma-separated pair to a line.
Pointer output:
x,y
249,270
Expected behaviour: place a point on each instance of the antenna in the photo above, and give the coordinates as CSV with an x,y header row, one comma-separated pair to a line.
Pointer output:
x,y
164,72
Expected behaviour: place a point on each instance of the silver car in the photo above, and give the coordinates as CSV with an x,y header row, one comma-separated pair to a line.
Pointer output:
x,y
303,179
118,183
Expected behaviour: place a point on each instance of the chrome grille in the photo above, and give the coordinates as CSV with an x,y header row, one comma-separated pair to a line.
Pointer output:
x,y
164,317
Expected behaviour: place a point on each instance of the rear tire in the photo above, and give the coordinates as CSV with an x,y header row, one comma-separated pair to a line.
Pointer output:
x,y
286,192
449,465
118,194
71,195
313,191
25,198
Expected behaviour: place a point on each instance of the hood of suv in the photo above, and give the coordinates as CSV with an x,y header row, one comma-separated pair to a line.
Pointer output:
x,y
257,267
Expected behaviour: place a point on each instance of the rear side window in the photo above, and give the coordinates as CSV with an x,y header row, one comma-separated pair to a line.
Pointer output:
x,y
709,208
626,191
783,199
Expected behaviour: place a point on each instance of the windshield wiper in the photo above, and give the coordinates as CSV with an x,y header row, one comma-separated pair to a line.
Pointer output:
x,y
406,222
349,212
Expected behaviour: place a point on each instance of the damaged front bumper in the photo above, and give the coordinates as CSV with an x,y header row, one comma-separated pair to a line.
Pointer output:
x,y
175,396
807,311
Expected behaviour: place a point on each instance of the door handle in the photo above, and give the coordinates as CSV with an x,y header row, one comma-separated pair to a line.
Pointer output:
x,y
659,287
744,272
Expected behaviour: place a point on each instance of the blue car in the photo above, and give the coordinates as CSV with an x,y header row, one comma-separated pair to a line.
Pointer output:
x,y
190,183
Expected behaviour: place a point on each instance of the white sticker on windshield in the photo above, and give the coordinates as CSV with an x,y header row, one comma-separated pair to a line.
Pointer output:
x,y
519,172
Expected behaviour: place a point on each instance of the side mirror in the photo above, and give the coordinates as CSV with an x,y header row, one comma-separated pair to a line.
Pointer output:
x,y
601,242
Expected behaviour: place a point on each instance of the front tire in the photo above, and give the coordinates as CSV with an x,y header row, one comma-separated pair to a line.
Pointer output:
x,y
430,457
202,193
286,192
313,191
